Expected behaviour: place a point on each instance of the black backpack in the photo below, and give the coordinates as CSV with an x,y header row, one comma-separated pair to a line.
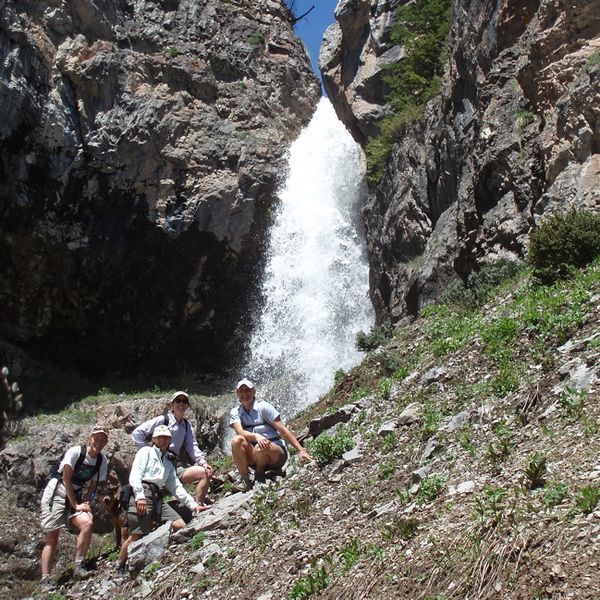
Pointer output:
x,y
78,477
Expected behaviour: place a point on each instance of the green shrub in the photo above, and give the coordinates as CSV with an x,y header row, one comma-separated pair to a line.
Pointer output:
x,y
170,51
379,334
256,39
563,243
524,118
384,388
482,284
430,488
387,468
316,581
554,494
350,554
573,402
358,393
489,507
198,540
536,471
389,442
326,448
587,499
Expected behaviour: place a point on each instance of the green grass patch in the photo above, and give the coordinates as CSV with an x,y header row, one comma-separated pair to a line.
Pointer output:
x,y
327,447
313,583
430,488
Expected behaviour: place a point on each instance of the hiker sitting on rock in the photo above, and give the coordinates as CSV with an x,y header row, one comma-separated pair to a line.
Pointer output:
x,y
63,506
151,473
183,444
259,431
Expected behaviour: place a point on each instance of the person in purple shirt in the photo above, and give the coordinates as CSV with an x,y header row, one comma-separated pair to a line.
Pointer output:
x,y
183,442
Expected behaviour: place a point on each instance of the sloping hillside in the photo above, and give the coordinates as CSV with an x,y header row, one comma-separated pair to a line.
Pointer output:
x,y
474,469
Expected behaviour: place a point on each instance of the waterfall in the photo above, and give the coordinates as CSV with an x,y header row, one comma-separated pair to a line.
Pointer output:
x,y
315,289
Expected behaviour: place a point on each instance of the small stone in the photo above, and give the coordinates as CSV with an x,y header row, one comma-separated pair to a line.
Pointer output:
x,y
434,375
419,474
411,414
386,428
430,448
383,509
457,421
198,569
352,456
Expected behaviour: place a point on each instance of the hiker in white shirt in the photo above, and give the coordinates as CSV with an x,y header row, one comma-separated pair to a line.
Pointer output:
x,y
63,506
151,473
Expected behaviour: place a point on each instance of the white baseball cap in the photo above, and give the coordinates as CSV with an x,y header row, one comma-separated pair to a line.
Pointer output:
x,y
245,382
161,430
182,395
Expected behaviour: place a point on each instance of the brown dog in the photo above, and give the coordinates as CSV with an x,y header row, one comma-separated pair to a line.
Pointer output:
x,y
117,516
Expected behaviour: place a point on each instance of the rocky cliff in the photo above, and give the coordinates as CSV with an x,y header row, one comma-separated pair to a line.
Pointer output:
x,y
140,146
513,135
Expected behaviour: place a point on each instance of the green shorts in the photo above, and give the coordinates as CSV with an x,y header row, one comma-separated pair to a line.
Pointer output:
x,y
143,524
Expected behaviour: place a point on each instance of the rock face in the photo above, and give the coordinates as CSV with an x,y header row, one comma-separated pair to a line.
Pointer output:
x,y
355,49
141,143
514,135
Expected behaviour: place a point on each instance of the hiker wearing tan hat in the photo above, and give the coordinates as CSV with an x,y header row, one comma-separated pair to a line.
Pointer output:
x,y
62,503
191,463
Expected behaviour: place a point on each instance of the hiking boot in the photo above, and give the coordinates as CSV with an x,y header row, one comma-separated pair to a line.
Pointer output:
x,y
245,485
47,584
122,571
80,572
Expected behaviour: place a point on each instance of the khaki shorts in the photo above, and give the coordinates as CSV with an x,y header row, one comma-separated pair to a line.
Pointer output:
x,y
56,512
143,524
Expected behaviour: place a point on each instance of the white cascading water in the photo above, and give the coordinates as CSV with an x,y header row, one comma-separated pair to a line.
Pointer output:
x,y
315,289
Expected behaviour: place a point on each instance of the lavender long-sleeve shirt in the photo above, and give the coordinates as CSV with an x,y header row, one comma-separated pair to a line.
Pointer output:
x,y
182,436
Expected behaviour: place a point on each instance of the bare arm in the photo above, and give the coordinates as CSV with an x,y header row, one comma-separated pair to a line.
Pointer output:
x,y
289,437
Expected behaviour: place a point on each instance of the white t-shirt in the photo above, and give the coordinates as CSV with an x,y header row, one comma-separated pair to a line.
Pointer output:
x,y
71,457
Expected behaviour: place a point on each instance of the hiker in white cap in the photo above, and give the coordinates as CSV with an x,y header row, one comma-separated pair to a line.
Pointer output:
x,y
64,506
191,463
152,472
260,434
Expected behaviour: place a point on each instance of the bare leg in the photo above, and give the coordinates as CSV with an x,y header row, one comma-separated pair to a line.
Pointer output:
x,y
179,524
264,458
123,552
49,551
197,474
83,522
242,454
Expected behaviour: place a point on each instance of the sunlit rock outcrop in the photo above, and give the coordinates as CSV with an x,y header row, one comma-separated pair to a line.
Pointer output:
x,y
513,135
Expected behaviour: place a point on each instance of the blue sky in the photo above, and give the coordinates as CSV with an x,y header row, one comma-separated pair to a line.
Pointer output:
x,y
312,27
